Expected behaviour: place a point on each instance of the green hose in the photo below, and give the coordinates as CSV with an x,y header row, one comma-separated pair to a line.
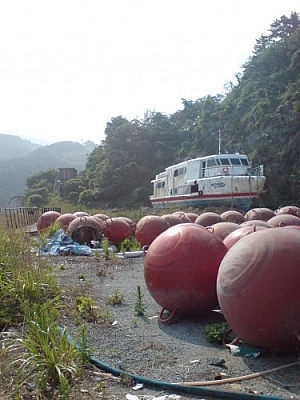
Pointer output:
x,y
183,388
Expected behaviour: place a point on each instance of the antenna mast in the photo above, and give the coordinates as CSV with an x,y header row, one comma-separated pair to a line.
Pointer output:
x,y
220,140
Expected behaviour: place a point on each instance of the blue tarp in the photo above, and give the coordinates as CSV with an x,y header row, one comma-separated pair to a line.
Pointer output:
x,y
62,244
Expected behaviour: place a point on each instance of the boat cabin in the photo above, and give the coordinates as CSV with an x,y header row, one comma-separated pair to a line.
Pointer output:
x,y
178,179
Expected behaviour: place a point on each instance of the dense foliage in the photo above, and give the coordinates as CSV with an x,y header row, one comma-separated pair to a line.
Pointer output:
x,y
259,116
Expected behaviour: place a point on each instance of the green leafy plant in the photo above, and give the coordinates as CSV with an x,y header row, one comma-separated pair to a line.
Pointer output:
x,y
130,244
106,249
140,307
82,344
116,298
87,308
215,332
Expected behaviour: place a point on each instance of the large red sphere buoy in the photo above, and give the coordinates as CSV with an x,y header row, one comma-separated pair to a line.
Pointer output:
x,y
64,220
182,215
101,216
172,219
208,218
192,216
232,216
262,213
283,220
81,214
293,210
258,288
47,219
180,270
117,229
223,229
257,222
239,233
85,229
149,227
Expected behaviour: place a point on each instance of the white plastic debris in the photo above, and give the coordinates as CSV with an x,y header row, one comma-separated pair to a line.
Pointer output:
x,y
130,254
131,397
168,397
138,386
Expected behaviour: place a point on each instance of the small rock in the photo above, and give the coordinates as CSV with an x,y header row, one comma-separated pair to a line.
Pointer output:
x,y
216,361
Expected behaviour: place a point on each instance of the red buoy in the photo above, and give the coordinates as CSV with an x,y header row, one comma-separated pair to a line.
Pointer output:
x,y
117,229
283,220
180,269
149,227
258,288
232,216
208,218
262,213
64,220
239,233
85,229
47,219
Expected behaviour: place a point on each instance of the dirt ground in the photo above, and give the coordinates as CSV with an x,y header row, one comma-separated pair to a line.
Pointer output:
x,y
132,347
141,358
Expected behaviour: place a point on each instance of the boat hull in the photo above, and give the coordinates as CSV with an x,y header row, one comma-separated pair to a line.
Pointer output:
x,y
240,201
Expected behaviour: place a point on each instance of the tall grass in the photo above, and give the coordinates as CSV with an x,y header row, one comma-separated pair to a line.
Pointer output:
x,y
30,298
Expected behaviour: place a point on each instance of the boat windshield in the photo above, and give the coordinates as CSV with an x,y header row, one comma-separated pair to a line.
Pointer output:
x,y
211,162
224,161
235,161
245,162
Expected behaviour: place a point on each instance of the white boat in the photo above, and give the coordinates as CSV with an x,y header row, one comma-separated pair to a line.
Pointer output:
x,y
216,180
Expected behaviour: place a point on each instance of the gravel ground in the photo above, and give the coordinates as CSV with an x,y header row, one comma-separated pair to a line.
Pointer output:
x,y
172,353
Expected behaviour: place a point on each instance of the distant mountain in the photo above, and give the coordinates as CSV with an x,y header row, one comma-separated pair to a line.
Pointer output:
x,y
35,140
20,159
13,146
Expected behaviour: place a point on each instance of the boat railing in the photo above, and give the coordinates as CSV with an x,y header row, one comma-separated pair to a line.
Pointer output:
x,y
257,171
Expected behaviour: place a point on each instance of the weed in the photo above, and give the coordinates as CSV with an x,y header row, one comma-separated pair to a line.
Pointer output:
x,y
140,307
82,344
130,244
45,354
126,379
106,316
215,332
106,249
87,308
48,233
101,388
134,322
116,298
81,277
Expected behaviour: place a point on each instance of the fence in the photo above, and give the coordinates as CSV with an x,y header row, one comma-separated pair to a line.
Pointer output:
x,y
21,217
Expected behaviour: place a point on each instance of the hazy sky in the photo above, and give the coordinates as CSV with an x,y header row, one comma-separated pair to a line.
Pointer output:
x,y
68,66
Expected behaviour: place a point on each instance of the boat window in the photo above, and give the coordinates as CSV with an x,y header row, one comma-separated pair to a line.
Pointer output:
x,y
160,185
180,171
235,161
224,161
245,161
211,162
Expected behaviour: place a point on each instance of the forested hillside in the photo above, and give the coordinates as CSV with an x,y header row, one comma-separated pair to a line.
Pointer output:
x,y
259,116
12,146
29,159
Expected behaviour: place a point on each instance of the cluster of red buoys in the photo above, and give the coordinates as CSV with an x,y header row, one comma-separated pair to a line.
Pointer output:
x,y
246,264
